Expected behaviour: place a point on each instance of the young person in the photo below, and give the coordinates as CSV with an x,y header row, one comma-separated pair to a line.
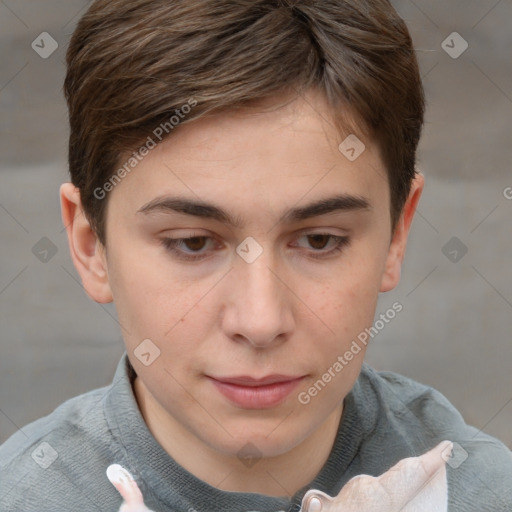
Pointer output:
x,y
242,187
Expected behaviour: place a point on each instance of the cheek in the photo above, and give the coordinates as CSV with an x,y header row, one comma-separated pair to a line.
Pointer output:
x,y
347,302
149,303
347,306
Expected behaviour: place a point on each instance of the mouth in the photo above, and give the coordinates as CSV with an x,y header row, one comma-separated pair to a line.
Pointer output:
x,y
256,393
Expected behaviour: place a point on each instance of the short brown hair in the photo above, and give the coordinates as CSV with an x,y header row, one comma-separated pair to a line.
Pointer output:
x,y
133,64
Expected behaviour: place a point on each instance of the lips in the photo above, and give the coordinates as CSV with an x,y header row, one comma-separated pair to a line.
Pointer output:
x,y
256,393
252,382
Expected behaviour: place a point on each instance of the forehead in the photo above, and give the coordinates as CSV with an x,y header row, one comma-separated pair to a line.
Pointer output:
x,y
266,156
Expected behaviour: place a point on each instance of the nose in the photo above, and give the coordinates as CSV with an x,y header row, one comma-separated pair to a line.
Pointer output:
x,y
258,308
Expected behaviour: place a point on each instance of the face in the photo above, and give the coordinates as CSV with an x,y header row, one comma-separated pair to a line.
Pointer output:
x,y
248,247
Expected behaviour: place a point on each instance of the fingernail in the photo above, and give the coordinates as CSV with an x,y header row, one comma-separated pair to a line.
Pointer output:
x,y
118,475
314,505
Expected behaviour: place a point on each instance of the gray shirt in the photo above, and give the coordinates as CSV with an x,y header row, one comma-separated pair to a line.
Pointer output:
x,y
58,462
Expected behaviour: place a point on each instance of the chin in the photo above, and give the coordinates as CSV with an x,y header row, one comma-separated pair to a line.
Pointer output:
x,y
266,442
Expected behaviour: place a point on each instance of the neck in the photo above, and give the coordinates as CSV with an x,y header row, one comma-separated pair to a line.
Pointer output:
x,y
282,475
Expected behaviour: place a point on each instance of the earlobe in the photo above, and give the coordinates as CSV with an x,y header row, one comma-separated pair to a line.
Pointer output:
x,y
392,271
87,252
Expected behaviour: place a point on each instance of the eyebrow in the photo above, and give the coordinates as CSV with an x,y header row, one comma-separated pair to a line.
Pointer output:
x,y
169,204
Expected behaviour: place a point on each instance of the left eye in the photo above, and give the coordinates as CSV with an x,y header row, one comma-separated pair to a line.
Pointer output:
x,y
318,241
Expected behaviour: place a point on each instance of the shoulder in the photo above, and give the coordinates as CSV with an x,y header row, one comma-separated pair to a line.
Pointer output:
x,y
402,400
67,418
415,417
45,461
397,388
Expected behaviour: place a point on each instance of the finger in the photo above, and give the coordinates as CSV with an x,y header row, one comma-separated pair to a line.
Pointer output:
x,y
362,493
315,501
124,482
404,481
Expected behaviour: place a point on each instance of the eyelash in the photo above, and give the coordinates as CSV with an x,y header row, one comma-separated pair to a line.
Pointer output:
x,y
171,245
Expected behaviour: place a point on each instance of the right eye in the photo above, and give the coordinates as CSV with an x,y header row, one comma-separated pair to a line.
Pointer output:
x,y
194,244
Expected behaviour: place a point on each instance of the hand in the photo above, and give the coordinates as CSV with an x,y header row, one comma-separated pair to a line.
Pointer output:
x,y
415,484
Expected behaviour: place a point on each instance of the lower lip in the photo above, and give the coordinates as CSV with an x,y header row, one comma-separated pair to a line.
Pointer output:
x,y
257,397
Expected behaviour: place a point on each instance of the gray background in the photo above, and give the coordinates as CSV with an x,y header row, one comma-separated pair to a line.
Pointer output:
x,y
454,332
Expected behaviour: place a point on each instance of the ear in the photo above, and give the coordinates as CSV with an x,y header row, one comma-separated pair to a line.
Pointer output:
x,y
87,253
396,253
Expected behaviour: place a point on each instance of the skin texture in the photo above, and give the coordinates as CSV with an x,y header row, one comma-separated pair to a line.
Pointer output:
x,y
285,313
